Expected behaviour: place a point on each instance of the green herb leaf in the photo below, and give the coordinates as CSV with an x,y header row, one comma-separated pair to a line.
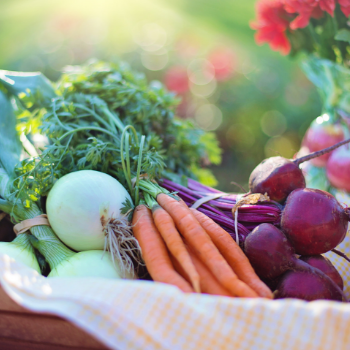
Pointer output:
x,y
343,35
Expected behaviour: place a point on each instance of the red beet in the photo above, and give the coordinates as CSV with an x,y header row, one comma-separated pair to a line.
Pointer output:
x,y
278,176
313,221
320,136
269,251
322,263
338,168
272,255
307,285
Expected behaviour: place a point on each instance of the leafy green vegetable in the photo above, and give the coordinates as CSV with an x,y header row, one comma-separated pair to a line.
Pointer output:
x,y
85,121
10,146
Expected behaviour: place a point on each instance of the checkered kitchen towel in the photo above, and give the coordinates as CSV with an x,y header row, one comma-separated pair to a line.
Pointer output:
x,y
145,315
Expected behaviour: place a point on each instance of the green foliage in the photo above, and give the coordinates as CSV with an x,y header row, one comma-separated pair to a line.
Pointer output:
x,y
85,121
10,146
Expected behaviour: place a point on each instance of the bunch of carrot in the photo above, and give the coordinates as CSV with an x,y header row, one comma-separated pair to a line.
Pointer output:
x,y
185,248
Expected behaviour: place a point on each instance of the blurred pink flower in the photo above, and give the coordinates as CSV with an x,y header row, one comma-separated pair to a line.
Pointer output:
x,y
176,79
345,7
305,9
223,60
271,25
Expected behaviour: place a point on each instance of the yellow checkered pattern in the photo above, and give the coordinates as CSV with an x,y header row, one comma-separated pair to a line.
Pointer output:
x,y
144,315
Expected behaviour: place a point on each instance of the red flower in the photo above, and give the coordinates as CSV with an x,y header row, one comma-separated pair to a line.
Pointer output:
x,y
176,79
271,25
345,7
307,9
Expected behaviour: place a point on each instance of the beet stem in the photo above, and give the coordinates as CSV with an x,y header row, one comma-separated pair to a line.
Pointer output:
x,y
320,153
336,251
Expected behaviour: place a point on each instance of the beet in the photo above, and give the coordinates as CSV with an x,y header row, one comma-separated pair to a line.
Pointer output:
x,y
338,168
322,263
272,255
313,221
320,136
269,251
278,176
307,285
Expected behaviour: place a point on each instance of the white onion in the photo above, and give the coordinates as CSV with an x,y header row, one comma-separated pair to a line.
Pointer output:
x,y
84,210
21,251
92,263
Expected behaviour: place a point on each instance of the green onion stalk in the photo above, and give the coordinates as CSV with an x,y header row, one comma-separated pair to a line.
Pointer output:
x,y
48,243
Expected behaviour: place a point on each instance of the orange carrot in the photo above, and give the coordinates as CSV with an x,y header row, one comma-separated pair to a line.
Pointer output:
x,y
233,254
203,246
154,251
209,284
175,244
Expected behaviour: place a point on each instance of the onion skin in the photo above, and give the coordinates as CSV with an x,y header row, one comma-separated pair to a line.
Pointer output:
x,y
276,176
313,221
92,263
79,205
20,254
338,168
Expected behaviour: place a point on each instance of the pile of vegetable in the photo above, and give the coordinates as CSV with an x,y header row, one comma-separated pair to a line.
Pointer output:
x,y
103,181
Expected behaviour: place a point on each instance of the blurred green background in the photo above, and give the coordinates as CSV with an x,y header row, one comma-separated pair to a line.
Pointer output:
x,y
258,102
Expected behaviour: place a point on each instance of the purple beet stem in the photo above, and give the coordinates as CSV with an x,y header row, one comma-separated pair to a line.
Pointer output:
x,y
220,209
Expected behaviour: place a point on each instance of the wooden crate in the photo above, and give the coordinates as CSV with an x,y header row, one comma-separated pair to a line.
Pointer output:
x,y
21,329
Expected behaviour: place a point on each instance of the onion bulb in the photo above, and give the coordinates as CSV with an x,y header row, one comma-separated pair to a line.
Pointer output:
x,y
84,209
91,263
21,250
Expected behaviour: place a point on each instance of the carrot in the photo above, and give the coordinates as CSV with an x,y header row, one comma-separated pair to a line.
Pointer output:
x,y
175,244
208,283
154,251
233,254
203,246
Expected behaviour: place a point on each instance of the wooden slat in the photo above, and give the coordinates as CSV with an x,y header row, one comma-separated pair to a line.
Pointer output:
x,y
18,324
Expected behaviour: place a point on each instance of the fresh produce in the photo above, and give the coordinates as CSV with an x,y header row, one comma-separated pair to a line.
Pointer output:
x,y
269,251
272,255
307,286
60,258
173,240
218,206
154,250
322,134
322,263
90,263
208,283
314,221
21,250
338,168
199,240
232,253
278,176
85,210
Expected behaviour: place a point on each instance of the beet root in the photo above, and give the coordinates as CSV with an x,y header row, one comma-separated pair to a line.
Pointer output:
x,y
313,221
307,285
320,136
269,251
338,168
322,263
276,176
